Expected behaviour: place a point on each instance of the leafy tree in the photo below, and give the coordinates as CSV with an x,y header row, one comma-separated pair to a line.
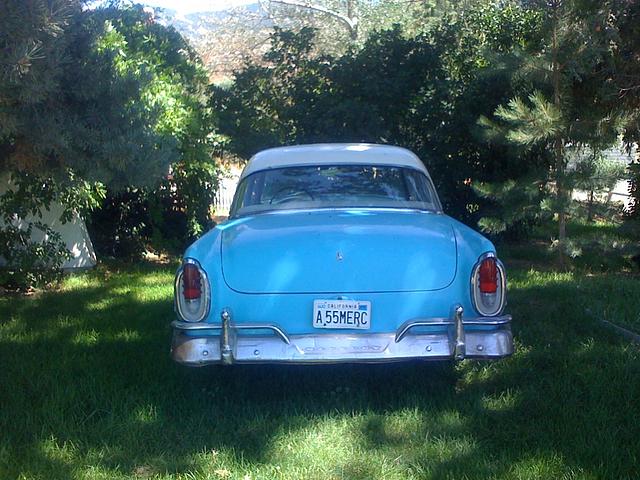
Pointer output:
x,y
65,96
97,97
425,93
258,111
348,18
176,209
444,123
242,35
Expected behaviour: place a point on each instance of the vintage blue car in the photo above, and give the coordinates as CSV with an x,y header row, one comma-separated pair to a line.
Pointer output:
x,y
339,253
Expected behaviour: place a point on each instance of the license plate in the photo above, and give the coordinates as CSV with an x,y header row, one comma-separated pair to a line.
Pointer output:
x,y
342,314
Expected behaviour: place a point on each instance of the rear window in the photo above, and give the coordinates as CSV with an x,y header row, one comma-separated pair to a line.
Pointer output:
x,y
334,186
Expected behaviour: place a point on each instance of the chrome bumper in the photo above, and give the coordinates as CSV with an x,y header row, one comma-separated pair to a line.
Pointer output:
x,y
455,341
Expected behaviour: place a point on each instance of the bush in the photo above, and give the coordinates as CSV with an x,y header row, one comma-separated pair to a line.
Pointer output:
x,y
30,263
166,218
119,228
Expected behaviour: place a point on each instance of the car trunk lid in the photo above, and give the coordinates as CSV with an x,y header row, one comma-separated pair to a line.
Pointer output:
x,y
339,251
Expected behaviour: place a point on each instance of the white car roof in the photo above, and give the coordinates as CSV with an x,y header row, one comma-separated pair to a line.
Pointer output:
x,y
333,153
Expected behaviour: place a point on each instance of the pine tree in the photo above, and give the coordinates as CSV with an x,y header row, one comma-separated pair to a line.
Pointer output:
x,y
562,107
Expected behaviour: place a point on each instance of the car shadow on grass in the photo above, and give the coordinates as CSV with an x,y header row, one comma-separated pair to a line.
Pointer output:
x,y
89,386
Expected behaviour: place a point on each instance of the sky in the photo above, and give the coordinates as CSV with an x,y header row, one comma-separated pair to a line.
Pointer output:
x,y
190,6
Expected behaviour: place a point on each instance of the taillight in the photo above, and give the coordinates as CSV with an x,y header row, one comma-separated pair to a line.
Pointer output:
x,y
488,275
192,295
191,282
488,285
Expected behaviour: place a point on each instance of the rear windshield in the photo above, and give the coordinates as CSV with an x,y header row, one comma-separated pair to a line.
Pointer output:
x,y
334,186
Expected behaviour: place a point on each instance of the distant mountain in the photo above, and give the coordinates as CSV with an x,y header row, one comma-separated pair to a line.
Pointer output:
x,y
195,25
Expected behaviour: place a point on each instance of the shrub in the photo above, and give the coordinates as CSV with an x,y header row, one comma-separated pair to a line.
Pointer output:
x,y
166,218
119,228
31,263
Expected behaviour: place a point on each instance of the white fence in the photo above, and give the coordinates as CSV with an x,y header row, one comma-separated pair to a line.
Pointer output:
x,y
226,190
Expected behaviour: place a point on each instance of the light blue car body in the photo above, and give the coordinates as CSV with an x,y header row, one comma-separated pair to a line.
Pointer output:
x,y
264,272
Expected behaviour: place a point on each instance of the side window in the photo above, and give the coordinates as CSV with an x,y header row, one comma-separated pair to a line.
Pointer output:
x,y
255,187
248,193
238,198
418,187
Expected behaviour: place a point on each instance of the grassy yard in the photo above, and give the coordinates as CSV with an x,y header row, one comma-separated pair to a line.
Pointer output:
x,y
87,390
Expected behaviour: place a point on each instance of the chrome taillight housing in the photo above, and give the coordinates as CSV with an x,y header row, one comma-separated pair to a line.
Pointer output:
x,y
191,291
488,285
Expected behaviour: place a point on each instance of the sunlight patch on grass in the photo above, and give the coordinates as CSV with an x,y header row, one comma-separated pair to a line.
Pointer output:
x,y
81,281
324,442
159,279
59,451
153,294
536,278
448,420
473,373
500,401
127,336
122,291
101,305
397,445
146,414
86,337
12,328
544,466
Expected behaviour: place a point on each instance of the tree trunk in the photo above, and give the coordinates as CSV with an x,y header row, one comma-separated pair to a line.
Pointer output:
x,y
558,144
561,194
350,20
590,207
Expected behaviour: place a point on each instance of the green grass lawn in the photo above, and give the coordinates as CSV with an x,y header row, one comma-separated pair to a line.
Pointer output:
x,y
87,390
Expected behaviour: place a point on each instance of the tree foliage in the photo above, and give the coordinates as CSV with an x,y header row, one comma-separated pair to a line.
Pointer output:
x,y
69,102
560,101
176,208
623,75
244,34
425,92
100,97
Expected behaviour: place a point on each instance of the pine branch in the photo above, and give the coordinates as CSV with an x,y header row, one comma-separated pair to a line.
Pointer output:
x,y
535,122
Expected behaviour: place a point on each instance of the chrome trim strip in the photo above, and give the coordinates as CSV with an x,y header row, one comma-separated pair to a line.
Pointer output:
x,y
405,327
178,325
181,325
205,290
489,321
277,330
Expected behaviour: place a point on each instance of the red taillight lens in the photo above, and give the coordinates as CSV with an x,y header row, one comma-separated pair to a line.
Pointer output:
x,y
191,282
192,292
488,275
